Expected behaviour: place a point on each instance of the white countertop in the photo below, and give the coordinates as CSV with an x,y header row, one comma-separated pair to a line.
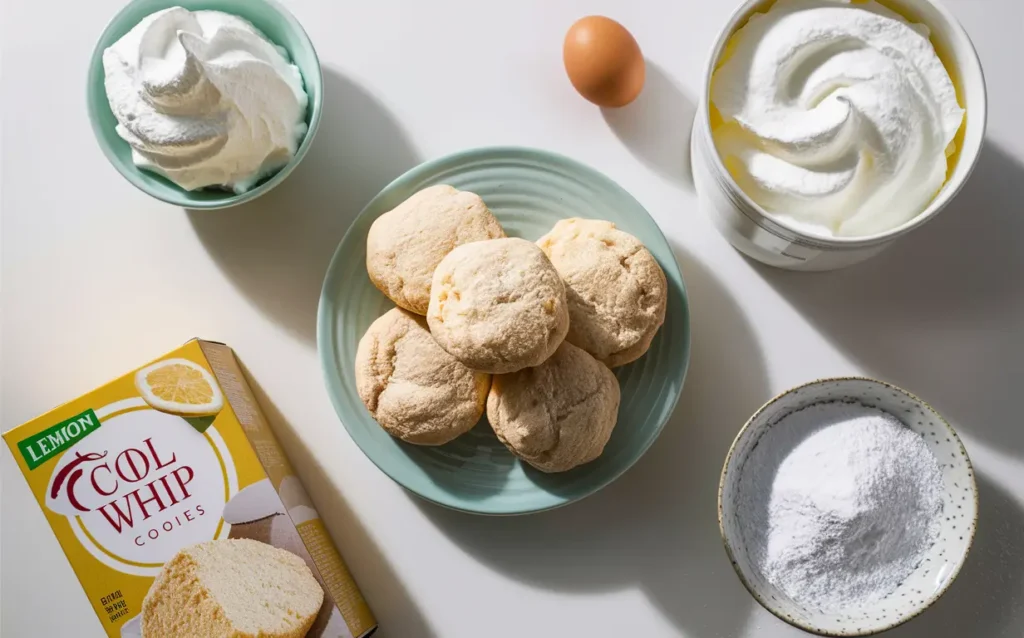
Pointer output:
x,y
97,279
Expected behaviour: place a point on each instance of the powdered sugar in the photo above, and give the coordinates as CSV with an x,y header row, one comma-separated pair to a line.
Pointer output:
x,y
843,501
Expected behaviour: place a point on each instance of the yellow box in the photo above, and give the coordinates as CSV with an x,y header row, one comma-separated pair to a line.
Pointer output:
x,y
167,456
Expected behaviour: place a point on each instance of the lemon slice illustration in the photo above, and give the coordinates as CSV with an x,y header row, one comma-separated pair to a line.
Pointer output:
x,y
181,387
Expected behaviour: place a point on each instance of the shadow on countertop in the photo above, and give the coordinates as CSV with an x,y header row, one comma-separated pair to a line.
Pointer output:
x,y
655,529
392,605
941,312
656,127
276,249
987,598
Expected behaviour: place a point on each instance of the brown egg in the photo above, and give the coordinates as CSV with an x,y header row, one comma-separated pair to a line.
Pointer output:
x,y
603,61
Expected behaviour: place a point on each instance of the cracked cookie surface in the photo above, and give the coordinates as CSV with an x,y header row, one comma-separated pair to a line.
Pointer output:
x,y
498,306
414,389
616,291
557,415
405,244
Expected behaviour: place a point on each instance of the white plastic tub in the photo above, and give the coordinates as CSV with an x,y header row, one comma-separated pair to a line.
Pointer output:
x,y
755,233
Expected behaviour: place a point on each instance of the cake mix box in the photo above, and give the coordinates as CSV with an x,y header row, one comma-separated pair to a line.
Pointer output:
x,y
169,456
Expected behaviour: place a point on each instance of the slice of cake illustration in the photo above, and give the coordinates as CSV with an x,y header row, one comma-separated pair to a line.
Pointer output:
x,y
232,588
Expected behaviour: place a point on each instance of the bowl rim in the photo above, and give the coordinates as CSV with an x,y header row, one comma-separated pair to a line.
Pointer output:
x,y
866,631
325,336
229,199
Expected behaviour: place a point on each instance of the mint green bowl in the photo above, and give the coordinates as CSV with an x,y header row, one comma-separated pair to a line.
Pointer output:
x,y
269,17
528,190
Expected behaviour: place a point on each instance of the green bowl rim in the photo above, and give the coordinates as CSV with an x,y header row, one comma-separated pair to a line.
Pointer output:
x,y
229,200
325,334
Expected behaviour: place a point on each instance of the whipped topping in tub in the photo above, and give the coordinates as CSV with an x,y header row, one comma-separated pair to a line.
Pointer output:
x,y
204,99
838,117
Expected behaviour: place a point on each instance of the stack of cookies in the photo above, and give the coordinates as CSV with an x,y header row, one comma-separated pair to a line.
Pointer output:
x,y
527,331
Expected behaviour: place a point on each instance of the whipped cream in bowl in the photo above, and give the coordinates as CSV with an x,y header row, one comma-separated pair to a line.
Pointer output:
x,y
829,127
838,116
207,104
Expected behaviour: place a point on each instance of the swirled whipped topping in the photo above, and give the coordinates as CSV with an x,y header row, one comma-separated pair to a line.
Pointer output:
x,y
838,116
204,99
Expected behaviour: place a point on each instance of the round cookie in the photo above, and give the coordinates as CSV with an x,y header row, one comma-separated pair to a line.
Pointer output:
x,y
559,414
415,390
405,244
498,306
616,290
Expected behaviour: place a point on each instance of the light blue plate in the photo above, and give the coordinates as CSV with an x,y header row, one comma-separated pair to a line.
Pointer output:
x,y
528,190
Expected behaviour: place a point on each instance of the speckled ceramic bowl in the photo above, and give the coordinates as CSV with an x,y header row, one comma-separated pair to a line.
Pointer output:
x,y
942,562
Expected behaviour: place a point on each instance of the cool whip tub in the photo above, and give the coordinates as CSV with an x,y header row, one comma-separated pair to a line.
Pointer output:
x,y
869,123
